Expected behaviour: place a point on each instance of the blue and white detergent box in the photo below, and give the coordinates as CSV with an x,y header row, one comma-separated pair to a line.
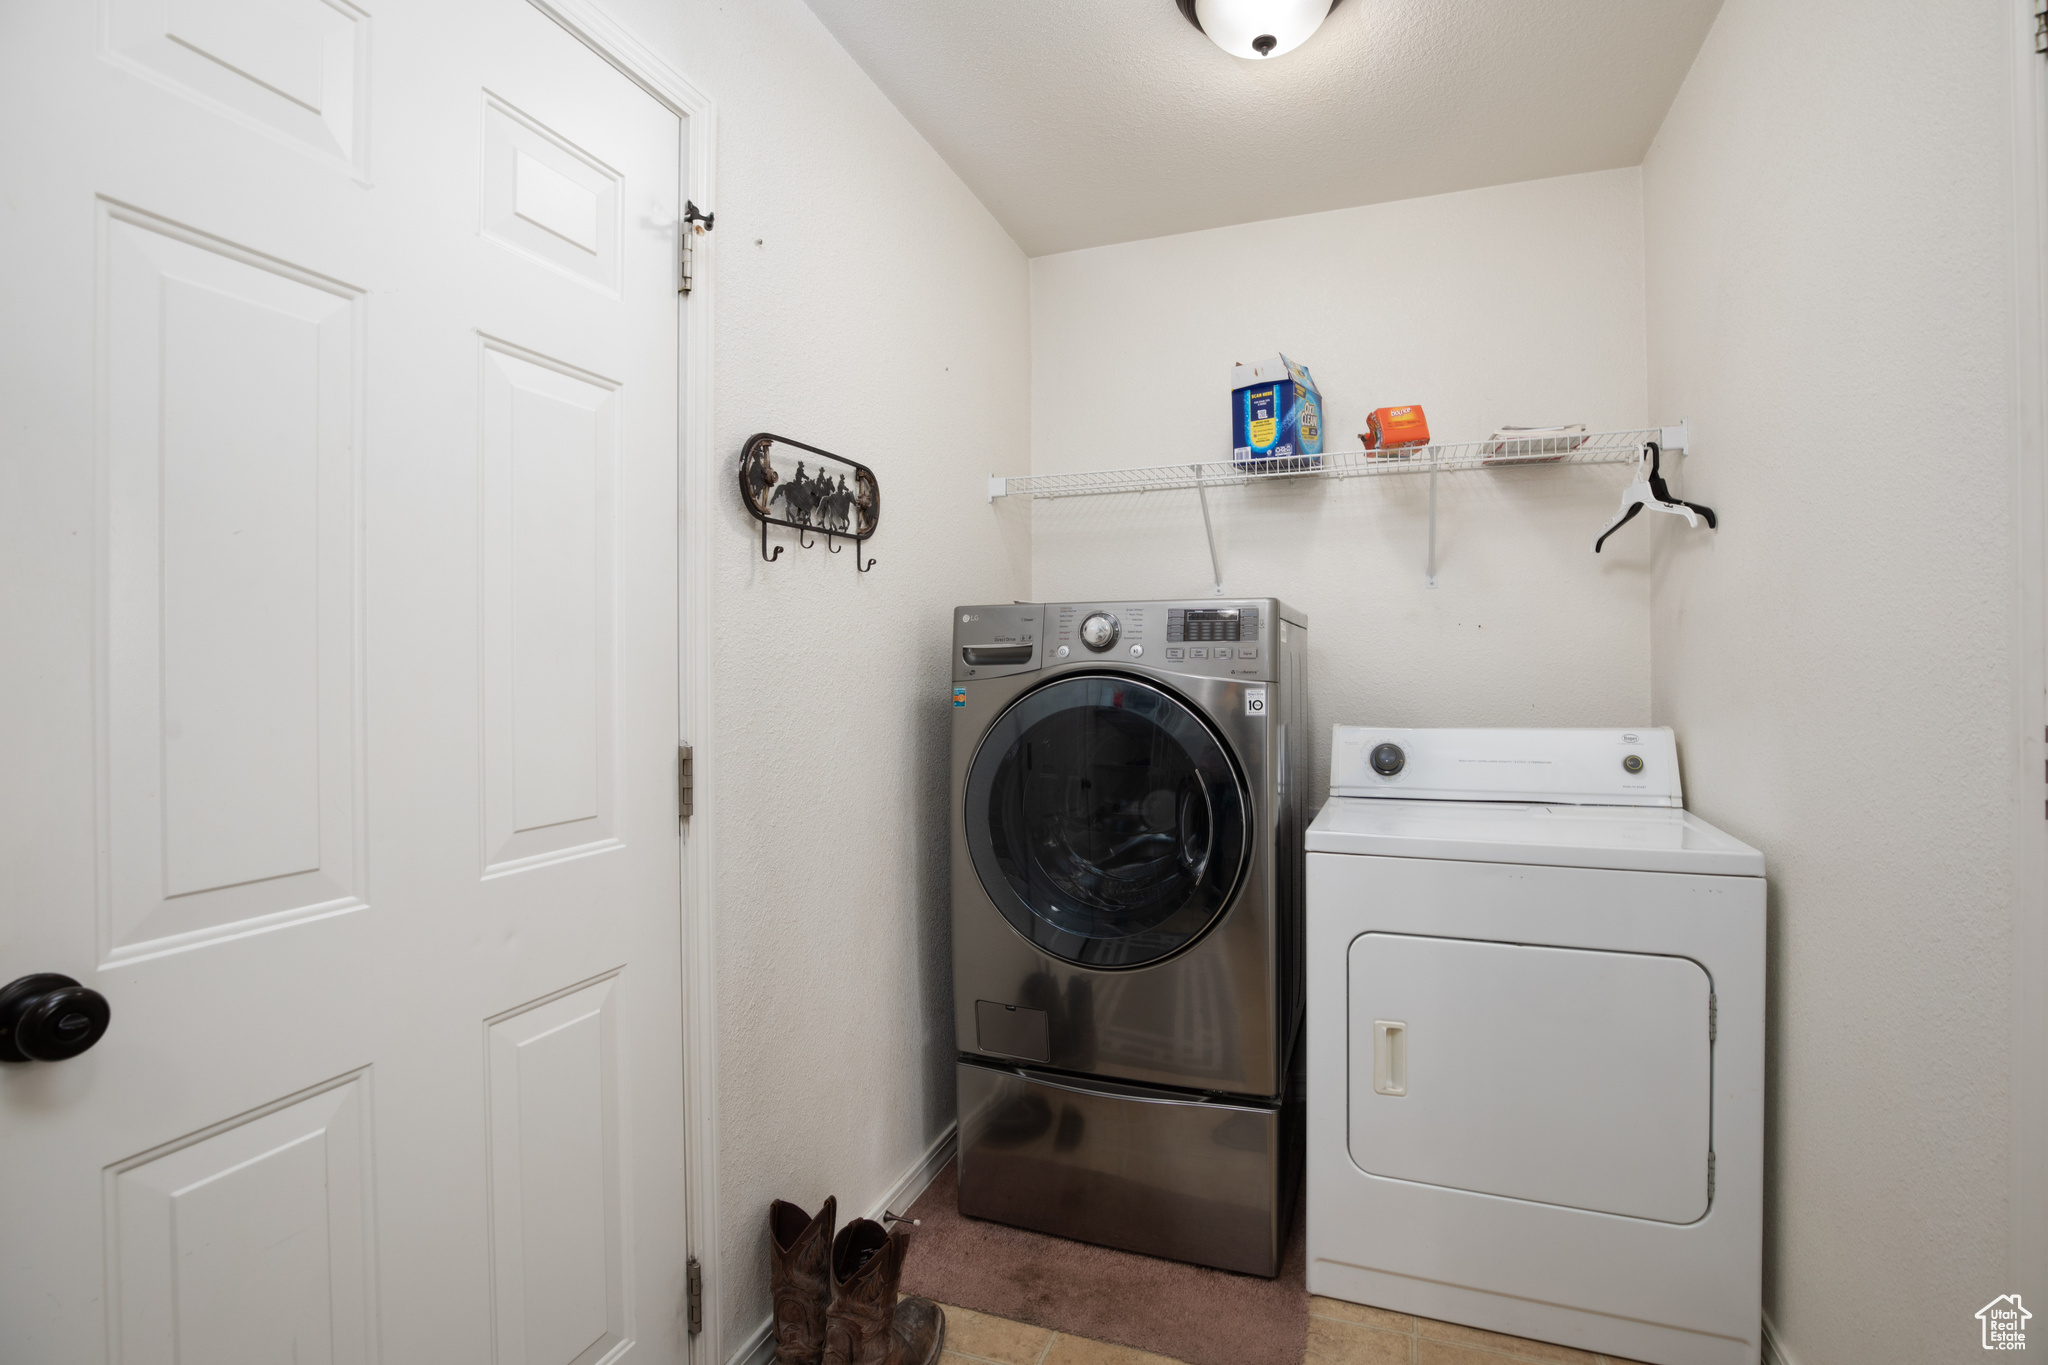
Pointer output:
x,y
1276,415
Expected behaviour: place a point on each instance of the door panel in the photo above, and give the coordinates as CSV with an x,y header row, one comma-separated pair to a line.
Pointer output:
x,y
557,1215
340,543
232,388
251,1243
550,442
1557,1075
295,69
547,198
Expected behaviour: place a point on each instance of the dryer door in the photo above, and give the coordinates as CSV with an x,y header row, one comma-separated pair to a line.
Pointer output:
x,y
1558,1075
1106,820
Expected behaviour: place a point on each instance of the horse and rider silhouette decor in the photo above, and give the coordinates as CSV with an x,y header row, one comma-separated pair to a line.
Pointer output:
x,y
840,503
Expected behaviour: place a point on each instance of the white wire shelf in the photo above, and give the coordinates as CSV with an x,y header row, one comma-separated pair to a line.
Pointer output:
x,y
1539,452
1593,447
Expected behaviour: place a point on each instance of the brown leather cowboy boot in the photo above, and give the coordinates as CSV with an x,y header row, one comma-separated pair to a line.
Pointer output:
x,y
865,1324
799,1277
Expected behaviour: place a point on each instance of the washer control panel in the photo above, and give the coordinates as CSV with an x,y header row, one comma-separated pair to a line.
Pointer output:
x,y
1213,640
1212,625
1216,639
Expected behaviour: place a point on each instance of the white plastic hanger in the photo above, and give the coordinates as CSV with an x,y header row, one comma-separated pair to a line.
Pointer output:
x,y
1649,490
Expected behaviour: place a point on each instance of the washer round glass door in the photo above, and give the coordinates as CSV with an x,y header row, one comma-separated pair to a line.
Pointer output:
x,y
1106,821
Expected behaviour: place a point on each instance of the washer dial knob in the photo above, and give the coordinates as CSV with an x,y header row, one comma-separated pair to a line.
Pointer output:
x,y
1099,631
1388,759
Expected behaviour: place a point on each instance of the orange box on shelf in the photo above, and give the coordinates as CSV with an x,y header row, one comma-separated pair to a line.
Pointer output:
x,y
1395,428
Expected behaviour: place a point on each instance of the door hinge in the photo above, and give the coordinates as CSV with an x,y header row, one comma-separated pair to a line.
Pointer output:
x,y
1713,1017
2041,30
686,780
696,1289
695,222
1710,1192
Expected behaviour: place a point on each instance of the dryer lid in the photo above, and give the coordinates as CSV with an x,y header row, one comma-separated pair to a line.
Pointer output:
x,y
1636,767
1641,839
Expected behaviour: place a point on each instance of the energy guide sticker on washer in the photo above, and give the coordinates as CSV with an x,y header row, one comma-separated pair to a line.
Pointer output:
x,y
1255,701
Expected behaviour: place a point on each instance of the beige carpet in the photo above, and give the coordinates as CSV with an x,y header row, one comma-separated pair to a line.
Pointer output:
x,y
1191,1313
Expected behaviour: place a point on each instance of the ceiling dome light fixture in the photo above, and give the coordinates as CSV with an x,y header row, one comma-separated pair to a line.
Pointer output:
x,y
1255,29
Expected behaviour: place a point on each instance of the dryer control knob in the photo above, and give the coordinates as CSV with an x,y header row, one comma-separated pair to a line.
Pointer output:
x,y
1388,759
1099,631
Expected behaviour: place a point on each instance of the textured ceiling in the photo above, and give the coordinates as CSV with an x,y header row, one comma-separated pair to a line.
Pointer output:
x,y
1083,122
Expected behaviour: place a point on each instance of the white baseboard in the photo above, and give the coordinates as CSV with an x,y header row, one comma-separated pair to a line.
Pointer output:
x,y
1774,1345
759,1344
918,1178
759,1347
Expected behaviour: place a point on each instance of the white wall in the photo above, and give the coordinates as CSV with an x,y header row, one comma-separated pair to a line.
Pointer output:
x,y
867,303
1825,268
1828,288
1519,304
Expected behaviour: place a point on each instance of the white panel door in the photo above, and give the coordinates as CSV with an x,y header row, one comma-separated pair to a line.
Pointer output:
x,y
338,646
1557,1075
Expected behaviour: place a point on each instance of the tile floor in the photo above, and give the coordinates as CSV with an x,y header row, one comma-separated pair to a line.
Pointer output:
x,y
1338,1334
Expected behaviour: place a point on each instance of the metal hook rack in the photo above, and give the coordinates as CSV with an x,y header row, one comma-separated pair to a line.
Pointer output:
x,y
811,501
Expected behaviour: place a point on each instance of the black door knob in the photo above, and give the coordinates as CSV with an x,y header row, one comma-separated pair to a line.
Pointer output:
x,y
47,1017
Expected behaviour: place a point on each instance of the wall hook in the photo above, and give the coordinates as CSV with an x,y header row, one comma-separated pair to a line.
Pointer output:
x,y
847,503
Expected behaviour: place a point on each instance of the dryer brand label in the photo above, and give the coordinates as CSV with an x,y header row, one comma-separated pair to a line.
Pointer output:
x,y
1255,701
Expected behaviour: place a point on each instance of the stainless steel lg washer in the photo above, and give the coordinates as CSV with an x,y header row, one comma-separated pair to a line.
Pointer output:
x,y
1126,896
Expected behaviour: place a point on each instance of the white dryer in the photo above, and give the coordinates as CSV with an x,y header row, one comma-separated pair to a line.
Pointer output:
x,y
1536,1043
